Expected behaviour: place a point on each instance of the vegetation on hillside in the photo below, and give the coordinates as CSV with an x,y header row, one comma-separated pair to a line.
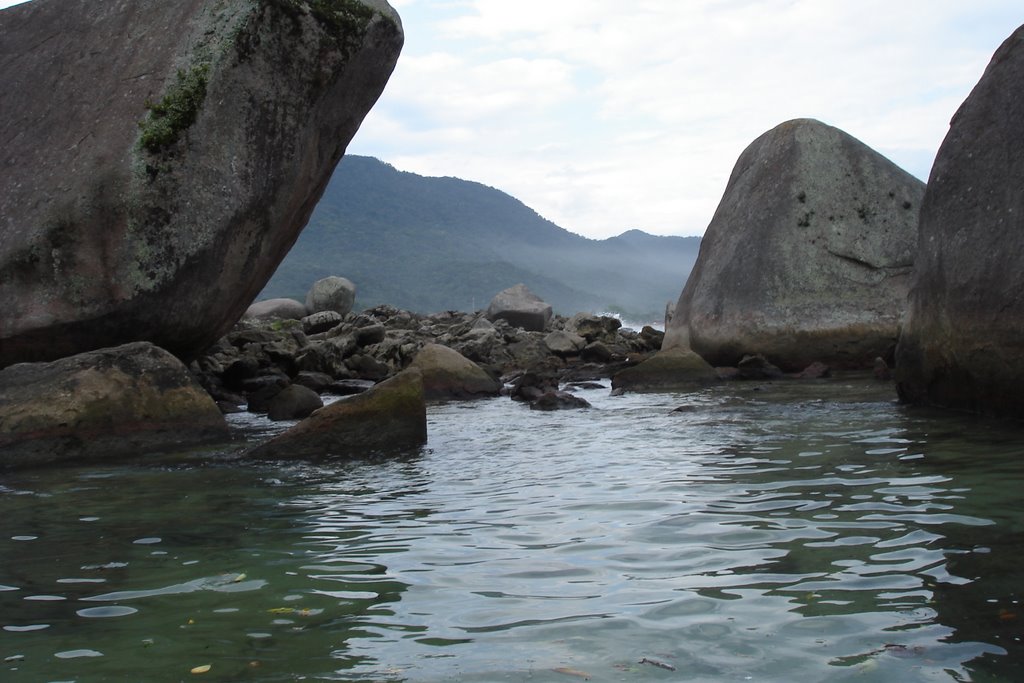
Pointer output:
x,y
435,244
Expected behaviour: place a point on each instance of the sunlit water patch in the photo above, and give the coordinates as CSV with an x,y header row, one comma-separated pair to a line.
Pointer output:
x,y
804,532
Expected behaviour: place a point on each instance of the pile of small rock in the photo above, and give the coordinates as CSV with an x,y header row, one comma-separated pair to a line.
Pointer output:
x,y
261,358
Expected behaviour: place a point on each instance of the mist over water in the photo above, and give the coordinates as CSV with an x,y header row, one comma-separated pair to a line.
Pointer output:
x,y
801,531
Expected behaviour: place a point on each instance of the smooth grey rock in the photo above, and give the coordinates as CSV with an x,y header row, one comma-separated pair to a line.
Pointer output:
x,y
962,344
520,308
160,158
125,401
287,309
564,343
808,256
448,375
333,293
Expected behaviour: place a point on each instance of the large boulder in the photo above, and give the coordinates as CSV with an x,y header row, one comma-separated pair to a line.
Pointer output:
x,y
160,158
448,375
808,256
333,293
389,418
962,344
116,402
666,371
286,309
520,308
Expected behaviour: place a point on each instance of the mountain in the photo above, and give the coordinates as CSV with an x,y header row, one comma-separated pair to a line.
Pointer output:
x,y
434,244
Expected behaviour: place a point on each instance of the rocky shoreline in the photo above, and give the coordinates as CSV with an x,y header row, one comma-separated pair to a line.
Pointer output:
x,y
260,358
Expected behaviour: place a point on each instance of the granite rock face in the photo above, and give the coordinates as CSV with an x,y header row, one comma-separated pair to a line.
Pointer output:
x,y
962,345
110,403
160,158
808,257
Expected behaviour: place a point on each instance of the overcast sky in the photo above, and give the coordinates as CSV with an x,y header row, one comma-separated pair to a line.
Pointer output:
x,y
606,115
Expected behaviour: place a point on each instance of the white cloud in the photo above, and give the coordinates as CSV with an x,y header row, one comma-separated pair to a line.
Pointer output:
x,y
605,115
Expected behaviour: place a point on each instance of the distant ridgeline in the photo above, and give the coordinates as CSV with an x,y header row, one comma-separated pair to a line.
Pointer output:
x,y
436,244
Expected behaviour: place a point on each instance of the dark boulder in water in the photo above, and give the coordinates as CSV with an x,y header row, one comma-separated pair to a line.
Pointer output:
x,y
671,370
160,158
111,403
559,400
294,402
389,419
962,344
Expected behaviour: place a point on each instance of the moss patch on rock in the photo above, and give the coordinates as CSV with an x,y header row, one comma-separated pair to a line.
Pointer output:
x,y
177,110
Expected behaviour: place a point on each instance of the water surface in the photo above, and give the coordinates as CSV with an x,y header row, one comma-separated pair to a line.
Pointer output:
x,y
812,532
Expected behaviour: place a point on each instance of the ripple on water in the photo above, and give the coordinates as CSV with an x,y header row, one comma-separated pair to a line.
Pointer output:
x,y
106,612
767,537
26,629
76,654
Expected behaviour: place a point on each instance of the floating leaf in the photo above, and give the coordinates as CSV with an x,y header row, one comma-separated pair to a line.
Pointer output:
x,y
201,669
282,610
572,672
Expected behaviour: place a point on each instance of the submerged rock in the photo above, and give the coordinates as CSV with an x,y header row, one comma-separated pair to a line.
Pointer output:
x,y
448,375
388,419
962,340
672,370
160,158
807,258
119,402
559,400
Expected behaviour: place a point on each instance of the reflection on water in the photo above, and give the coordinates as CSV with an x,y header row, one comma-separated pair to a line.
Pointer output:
x,y
771,533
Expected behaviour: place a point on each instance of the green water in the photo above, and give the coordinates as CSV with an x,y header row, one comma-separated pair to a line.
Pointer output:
x,y
811,532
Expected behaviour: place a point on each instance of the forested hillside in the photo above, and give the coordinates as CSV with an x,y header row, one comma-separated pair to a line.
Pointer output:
x,y
433,244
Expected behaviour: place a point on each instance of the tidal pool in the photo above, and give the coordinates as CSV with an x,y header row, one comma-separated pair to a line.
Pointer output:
x,y
761,532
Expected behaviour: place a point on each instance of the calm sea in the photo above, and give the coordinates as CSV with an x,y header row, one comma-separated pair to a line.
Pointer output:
x,y
748,532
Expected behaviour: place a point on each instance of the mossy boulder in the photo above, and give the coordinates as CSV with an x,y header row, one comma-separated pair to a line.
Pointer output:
x,y
389,419
667,371
448,375
110,403
160,158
